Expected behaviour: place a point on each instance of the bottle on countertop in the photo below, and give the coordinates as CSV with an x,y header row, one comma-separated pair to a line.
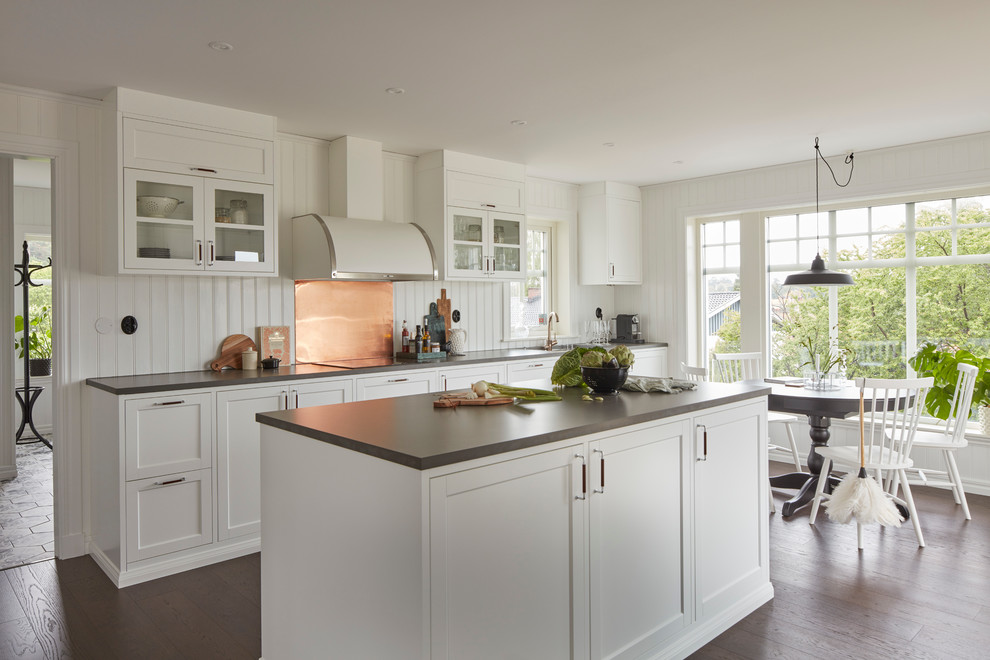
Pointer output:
x,y
405,337
418,340
426,340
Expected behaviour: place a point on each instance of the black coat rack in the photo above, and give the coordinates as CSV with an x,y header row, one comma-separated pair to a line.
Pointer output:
x,y
28,395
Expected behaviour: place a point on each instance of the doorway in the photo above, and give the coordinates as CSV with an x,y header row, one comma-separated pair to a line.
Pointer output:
x,y
27,529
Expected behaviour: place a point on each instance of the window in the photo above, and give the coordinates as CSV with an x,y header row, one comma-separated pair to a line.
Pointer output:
x,y
921,274
720,292
532,299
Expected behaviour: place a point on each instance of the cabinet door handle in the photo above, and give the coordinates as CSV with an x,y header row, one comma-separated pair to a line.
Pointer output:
x,y
296,392
203,169
199,253
285,400
397,380
170,482
611,268
601,477
704,450
584,478
212,254
168,403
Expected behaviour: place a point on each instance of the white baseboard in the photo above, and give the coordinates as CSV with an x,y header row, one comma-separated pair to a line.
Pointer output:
x,y
161,567
700,635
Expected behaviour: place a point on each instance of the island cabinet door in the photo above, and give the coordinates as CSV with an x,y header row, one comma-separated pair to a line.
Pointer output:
x,y
239,457
731,507
638,508
507,559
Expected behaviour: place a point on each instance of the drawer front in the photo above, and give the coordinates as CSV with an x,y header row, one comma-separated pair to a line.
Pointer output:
x,y
401,384
168,434
458,379
168,514
532,369
483,192
152,146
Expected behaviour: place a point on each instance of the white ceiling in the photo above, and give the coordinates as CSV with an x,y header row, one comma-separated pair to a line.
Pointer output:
x,y
720,85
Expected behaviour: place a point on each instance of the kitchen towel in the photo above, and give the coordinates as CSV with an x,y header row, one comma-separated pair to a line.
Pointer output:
x,y
657,384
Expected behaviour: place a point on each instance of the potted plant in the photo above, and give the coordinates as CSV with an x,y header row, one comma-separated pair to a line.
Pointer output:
x,y
941,364
37,340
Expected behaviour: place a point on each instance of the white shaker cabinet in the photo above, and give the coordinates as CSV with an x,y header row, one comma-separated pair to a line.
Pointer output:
x,y
650,361
168,434
638,506
396,383
541,369
730,505
473,208
239,442
189,186
458,378
167,514
610,249
508,545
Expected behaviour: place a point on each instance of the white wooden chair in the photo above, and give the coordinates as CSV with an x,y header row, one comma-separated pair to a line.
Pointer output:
x,y
694,374
949,439
894,407
734,367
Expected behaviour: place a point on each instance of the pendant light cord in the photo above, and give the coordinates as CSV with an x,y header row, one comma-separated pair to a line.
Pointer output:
x,y
818,156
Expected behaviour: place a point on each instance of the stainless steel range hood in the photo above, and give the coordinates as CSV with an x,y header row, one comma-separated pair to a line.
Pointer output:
x,y
352,242
325,248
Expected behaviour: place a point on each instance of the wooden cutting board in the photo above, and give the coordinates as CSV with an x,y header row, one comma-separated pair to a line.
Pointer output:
x,y
230,352
454,400
443,308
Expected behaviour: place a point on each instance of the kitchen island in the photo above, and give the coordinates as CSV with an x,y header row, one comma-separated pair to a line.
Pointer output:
x,y
394,529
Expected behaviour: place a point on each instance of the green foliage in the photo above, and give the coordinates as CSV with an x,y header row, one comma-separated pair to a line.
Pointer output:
x,y
943,365
729,335
39,338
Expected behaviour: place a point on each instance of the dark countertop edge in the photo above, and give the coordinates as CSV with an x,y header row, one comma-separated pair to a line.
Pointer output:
x,y
236,377
450,458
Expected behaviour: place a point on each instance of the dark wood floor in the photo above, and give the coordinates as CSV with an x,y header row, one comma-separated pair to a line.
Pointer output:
x,y
893,600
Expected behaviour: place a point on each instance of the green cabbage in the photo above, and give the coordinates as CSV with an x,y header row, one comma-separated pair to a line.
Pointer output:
x,y
567,369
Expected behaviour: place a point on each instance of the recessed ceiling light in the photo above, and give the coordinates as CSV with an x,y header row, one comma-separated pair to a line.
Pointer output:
x,y
518,122
220,45
395,90
608,144
678,162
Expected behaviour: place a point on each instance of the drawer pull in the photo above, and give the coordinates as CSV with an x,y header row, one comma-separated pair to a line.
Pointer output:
x,y
533,366
489,206
398,380
203,169
169,403
170,482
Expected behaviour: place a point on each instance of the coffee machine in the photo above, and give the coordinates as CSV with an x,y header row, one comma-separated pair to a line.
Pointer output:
x,y
627,329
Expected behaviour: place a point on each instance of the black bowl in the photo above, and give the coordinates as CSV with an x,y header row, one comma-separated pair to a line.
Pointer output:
x,y
604,380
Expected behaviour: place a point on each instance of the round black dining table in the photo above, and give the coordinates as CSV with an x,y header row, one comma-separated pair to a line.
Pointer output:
x,y
819,407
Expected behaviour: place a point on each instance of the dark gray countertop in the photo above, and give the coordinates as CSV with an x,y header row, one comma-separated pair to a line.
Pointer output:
x,y
408,430
185,380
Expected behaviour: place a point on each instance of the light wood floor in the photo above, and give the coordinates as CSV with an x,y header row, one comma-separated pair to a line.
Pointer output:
x,y
893,600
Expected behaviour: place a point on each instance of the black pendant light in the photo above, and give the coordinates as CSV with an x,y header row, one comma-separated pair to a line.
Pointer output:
x,y
819,275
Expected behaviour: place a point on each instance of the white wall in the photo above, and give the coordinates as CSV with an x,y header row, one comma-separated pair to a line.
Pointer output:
x,y
666,300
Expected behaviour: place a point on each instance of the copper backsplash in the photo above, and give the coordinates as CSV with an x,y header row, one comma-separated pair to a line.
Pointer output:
x,y
343,320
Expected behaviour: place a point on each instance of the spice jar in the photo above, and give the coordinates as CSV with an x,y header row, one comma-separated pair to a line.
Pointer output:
x,y
223,214
239,211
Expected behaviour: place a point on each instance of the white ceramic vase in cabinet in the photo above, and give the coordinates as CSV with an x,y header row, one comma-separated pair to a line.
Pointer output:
x,y
485,244
198,234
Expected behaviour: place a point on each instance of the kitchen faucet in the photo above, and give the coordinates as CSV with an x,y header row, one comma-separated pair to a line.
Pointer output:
x,y
548,346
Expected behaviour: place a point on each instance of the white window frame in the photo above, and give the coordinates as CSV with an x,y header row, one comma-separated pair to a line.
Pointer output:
x,y
551,293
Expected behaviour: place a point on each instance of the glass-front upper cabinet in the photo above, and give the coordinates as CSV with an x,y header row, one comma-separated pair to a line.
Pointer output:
x,y
175,222
485,244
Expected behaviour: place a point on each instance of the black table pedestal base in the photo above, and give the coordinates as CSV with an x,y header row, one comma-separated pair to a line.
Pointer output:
x,y
806,484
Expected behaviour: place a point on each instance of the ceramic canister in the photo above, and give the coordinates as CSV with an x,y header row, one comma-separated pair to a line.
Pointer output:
x,y
249,360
